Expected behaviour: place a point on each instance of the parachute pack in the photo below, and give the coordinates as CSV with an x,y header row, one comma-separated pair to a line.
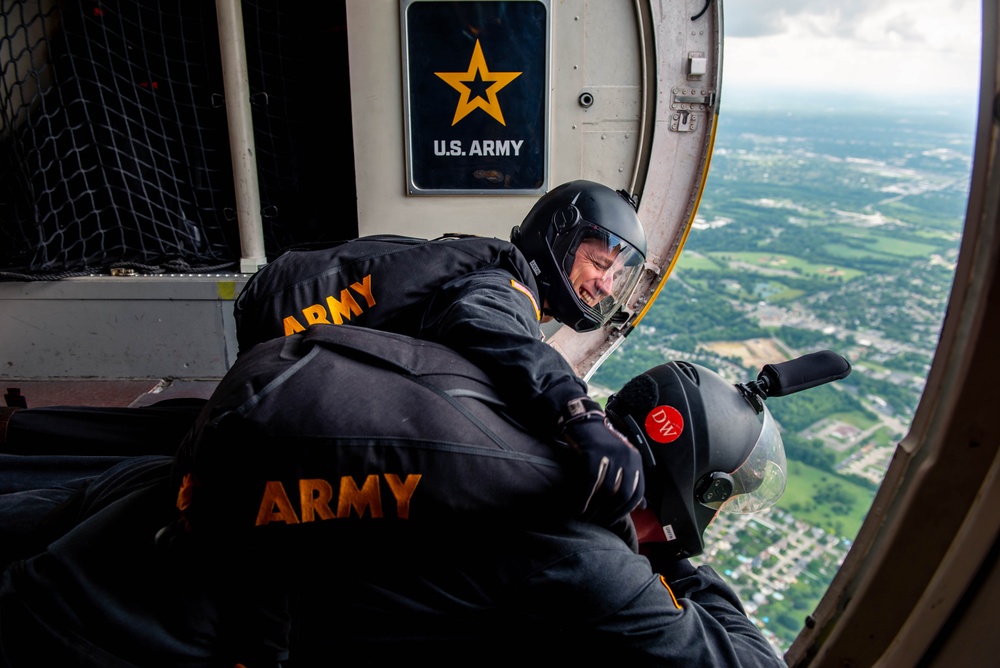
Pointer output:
x,y
340,425
377,282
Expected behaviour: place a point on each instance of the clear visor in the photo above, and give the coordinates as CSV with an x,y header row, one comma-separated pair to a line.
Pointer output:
x,y
602,268
760,480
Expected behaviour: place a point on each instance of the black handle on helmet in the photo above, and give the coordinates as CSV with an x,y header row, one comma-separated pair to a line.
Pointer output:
x,y
801,373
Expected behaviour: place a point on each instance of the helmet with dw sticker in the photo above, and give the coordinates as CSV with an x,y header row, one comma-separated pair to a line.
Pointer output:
x,y
705,447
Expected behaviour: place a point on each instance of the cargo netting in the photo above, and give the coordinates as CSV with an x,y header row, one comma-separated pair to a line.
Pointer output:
x,y
114,147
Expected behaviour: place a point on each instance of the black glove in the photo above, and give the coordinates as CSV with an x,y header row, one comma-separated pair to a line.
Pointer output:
x,y
612,475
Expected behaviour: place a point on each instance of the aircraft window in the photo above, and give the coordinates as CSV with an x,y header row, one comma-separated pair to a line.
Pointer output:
x,y
831,219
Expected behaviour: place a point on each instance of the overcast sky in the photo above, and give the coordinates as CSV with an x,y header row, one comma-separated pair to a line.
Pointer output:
x,y
895,46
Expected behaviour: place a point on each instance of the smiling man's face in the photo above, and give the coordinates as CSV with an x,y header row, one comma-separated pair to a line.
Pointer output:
x,y
594,271
604,270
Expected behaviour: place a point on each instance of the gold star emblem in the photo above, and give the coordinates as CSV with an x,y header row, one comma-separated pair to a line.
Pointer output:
x,y
478,72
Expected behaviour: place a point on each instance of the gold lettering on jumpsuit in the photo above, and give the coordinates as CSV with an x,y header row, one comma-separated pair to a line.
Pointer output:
x,y
316,497
334,311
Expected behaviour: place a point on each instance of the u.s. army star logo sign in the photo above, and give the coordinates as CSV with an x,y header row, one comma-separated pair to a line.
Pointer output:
x,y
476,82
476,96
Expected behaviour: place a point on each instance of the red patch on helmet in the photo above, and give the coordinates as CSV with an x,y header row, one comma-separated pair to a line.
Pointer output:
x,y
664,424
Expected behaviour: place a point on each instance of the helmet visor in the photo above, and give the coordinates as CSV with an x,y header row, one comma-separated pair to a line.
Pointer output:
x,y
760,481
601,268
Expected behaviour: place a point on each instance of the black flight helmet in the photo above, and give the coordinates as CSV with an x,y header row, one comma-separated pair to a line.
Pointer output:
x,y
705,449
589,223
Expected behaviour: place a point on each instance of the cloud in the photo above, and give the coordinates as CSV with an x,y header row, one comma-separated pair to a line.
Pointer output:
x,y
912,21
894,45
761,18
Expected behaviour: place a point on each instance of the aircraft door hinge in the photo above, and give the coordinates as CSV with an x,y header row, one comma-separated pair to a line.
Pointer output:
x,y
685,103
683,98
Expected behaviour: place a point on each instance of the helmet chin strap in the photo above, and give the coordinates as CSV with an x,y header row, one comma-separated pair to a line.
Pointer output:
x,y
547,315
